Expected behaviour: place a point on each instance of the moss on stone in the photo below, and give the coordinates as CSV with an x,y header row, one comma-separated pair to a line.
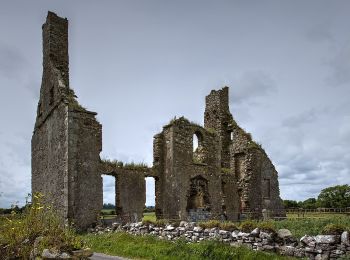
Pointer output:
x,y
226,170
73,103
126,166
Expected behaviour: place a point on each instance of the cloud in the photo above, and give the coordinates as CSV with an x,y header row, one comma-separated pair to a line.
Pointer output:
x,y
14,171
320,32
251,86
11,62
307,117
340,67
108,189
311,151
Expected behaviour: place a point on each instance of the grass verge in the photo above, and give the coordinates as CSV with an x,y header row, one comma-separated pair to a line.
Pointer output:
x,y
149,247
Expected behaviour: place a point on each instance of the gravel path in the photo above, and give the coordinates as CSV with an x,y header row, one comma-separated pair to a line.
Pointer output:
x,y
99,256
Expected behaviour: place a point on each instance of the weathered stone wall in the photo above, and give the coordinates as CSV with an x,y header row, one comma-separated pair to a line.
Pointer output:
x,y
217,117
253,171
50,136
85,181
191,181
50,159
67,138
130,189
280,241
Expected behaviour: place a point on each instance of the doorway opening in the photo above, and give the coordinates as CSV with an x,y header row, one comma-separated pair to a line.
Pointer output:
x,y
108,195
149,211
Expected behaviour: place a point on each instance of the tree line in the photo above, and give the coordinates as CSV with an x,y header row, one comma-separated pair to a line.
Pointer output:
x,y
332,197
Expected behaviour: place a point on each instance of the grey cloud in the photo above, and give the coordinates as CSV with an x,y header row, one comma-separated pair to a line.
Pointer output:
x,y
298,120
340,67
251,86
320,32
158,63
12,62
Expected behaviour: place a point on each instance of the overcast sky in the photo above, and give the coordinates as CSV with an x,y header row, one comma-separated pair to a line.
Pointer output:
x,y
140,63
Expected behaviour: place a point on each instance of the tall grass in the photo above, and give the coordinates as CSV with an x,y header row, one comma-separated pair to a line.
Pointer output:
x,y
18,232
149,247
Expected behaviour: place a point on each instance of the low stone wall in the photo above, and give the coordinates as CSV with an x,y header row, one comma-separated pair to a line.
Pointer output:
x,y
282,242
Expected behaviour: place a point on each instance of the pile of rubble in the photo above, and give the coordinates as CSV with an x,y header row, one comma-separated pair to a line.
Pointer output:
x,y
56,254
281,242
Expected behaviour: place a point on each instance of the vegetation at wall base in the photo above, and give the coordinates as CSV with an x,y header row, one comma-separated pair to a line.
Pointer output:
x,y
39,223
298,226
150,247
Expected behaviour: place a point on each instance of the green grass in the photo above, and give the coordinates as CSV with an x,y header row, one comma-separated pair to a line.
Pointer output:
x,y
316,215
149,216
312,224
107,211
149,247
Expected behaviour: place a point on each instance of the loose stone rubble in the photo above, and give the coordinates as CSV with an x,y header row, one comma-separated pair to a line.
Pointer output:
x,y
282,242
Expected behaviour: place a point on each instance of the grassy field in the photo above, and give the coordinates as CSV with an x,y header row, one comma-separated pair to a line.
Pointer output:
x,y
149,247
149,216
312,224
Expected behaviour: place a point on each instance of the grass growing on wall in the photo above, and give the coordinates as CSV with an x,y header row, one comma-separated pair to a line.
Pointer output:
x,y
149,247
298,226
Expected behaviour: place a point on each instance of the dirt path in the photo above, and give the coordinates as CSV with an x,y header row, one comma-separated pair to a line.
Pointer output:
x,y
100,256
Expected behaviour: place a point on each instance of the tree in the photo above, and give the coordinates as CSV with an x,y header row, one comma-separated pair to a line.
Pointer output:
x,y
335,197
108,206
290,204
310,203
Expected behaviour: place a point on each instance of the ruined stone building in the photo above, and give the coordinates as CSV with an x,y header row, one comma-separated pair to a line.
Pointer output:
x,y
227,176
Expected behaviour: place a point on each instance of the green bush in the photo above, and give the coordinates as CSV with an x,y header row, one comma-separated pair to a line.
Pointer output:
x,y
248,226
229,226
209,224
333,229
18,232
267,227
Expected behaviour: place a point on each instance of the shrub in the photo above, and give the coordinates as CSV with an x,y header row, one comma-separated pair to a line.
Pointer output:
x,y
267,227
229,226
248,226
18,232
333,229
209,224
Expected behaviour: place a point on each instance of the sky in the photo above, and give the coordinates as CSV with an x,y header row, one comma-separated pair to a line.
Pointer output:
x,y
140,63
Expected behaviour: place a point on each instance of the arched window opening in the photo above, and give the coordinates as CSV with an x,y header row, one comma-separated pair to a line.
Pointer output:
x,y
231,135
195,143
198,149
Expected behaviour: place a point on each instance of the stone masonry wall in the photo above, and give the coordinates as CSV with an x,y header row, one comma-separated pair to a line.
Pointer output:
x,y
50,159
130,189
67,138
50,136
85,181
280,241
192,188
253,171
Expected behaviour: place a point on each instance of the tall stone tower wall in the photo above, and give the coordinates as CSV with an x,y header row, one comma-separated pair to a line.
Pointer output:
x,y
67,138
217,116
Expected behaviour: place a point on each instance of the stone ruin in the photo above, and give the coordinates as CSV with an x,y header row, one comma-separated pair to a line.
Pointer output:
x,y
227,176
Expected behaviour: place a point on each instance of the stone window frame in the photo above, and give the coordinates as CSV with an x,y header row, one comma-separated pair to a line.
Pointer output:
x,y
200,149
